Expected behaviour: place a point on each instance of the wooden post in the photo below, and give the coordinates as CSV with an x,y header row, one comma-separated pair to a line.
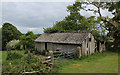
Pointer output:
x,y
46,53
79,52
104,46
99,47
52,57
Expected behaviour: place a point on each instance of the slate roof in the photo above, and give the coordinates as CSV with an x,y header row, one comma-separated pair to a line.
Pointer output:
x,y
73,37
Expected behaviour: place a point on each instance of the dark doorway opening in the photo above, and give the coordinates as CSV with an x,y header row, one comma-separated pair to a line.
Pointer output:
x,y
98,46
45,45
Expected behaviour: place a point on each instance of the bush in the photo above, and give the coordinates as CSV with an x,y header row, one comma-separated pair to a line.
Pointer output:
x,y
12,56
13,44
28,63
33,63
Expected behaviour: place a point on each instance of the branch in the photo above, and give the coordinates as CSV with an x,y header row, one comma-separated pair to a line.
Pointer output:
x,y
99,11
111,22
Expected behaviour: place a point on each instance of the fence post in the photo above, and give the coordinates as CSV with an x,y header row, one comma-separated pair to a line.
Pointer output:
x,y
52,57
79,52
100,48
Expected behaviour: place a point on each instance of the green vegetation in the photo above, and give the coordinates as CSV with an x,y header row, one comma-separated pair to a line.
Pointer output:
x,y
4,55
72,22
13,44
27,40
12,56
97,63
9,32
17,63
98,24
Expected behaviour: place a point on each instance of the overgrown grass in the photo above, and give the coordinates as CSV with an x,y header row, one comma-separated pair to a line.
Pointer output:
x,y
97,63
4,54
15,62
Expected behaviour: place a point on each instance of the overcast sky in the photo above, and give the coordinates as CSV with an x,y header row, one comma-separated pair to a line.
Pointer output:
x,y
34,16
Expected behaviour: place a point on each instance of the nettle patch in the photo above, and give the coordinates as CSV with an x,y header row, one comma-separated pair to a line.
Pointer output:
x,y
17,63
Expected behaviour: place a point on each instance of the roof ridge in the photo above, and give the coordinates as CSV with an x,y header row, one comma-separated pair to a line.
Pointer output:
x,y
77,31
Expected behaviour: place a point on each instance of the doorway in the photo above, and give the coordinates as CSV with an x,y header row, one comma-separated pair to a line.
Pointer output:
x,y
45,45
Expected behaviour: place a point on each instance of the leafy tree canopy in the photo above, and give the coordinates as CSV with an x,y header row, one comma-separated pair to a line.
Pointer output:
x,y
99,25
9,32
74,21
27,40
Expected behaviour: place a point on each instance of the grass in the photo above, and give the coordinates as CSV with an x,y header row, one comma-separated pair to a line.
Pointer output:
x,y
98,63
17,63
4,55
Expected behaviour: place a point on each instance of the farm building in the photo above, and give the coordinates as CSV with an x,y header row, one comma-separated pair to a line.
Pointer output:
x,y
67,42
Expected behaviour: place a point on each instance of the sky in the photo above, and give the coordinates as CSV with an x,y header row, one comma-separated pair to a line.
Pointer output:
x,y
34,16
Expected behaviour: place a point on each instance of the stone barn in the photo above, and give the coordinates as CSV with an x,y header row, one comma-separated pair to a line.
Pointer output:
x,y
67,42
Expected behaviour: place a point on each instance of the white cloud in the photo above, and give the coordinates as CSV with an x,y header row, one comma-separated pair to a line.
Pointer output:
x,y
38,0
35,16
59,0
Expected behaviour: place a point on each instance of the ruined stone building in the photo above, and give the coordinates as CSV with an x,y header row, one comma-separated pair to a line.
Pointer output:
x,y
67,42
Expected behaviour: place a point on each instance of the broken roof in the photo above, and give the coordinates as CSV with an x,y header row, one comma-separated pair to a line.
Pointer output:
x,y
71,37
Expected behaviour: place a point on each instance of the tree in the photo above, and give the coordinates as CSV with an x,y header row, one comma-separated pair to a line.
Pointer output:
x,y
115,22
110,24
27,40
74,21
9,32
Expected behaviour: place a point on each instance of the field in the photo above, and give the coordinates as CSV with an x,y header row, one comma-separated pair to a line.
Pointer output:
x,y
97,63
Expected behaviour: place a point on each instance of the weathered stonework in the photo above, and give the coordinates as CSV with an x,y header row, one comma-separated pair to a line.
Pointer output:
x,y
66,42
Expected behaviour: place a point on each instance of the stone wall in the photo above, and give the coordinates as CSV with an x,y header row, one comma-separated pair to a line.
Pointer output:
x,y
87,46
56,46
40,46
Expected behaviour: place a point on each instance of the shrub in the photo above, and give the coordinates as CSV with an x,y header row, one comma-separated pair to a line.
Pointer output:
x,y
12,56
32,63
28,63
12,44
